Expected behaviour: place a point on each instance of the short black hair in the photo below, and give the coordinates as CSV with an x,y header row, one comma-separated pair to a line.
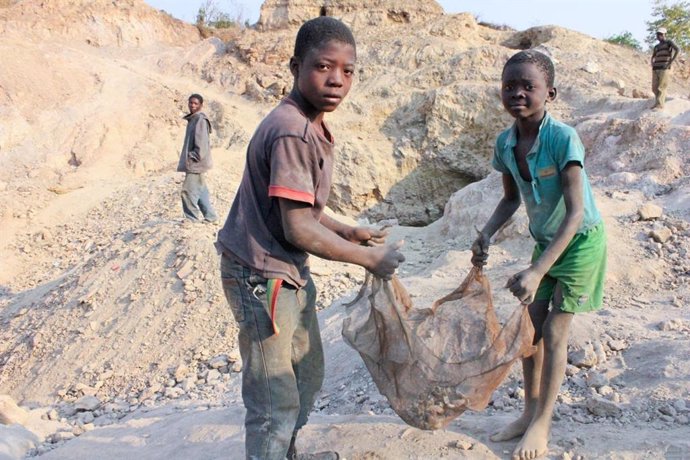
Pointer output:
x,y
197,97
318,31
541,60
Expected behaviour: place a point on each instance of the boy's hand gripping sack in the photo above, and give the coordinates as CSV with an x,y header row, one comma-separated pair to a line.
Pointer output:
x,y
434,363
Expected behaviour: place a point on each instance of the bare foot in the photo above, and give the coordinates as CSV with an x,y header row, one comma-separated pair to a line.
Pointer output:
x,y
515,429
533,444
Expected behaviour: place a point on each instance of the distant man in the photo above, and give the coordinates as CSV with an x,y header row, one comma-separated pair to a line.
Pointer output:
x,y
663,56
195,160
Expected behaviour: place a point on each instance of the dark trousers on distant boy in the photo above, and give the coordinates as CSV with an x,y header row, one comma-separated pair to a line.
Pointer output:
x,y
281,373
196,199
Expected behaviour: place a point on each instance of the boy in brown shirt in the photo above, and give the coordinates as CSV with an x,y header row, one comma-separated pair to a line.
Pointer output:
x,y
275,221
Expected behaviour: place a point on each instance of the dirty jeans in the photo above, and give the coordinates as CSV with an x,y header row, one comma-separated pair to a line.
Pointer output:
x,y
660,79
281,373
196,200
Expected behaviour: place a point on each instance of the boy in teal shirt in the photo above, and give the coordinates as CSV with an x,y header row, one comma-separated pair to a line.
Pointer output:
x,y
542,162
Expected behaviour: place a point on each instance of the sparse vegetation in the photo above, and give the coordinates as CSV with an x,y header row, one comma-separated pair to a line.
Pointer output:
x,y
675,17
491,25
211,14
624,39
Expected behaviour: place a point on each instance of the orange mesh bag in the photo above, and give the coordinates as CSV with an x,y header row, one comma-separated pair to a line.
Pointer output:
x,y
434,363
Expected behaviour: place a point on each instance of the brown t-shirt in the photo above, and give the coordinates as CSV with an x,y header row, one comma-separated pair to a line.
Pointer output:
x,y
287,158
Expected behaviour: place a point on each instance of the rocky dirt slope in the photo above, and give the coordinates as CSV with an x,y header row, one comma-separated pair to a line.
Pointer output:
x,y
111,313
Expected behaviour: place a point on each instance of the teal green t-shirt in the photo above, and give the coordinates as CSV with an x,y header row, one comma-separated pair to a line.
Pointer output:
x,y
556,145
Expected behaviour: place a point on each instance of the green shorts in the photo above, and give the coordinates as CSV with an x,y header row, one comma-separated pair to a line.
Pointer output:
x,y
580,270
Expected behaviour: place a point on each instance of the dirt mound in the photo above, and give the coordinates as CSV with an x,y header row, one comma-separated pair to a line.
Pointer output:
x,y
429,101
115,308
97,23
109,300
279,14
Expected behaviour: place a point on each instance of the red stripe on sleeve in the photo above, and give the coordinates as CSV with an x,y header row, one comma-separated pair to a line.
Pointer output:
x,y
278,191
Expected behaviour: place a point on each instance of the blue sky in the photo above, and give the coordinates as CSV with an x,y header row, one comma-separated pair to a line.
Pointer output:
x,y
598,18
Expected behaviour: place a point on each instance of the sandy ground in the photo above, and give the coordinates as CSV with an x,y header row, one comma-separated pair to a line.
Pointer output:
x,y
353,418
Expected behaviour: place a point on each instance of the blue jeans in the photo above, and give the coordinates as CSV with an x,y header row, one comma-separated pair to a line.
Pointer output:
x,y
282,373
196,200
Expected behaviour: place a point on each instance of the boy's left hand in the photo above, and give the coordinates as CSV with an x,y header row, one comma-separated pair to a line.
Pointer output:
x,y
368,236
524,285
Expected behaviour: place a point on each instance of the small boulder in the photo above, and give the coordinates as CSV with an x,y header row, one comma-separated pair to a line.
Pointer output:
x,y
661,234
87,403
218,362
650,211
640,94
463,445
591,67
180,372
584,357
617,345
10,412
597,380
675,324
603,407
213,376
61,436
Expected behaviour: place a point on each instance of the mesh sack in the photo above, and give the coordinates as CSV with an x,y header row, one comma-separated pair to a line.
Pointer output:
x,y
434,363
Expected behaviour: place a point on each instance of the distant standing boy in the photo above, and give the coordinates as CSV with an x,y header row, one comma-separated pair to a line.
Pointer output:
x,y
542,161
275,221
195,161
664,54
